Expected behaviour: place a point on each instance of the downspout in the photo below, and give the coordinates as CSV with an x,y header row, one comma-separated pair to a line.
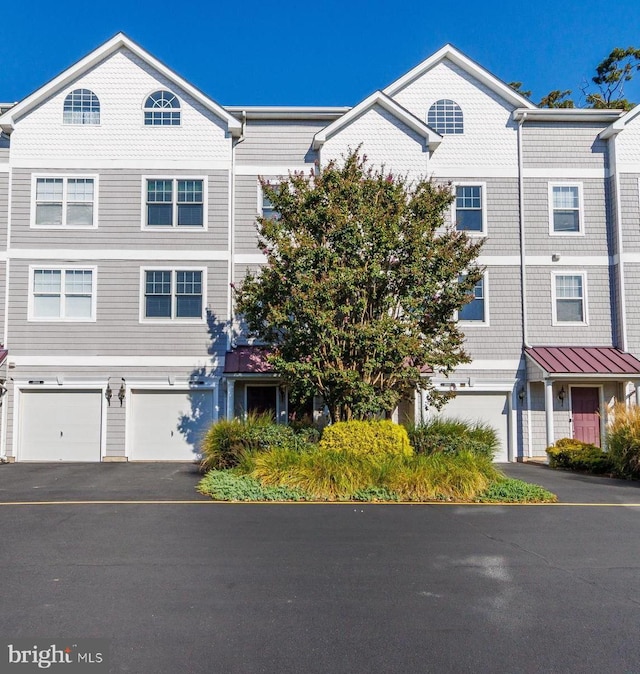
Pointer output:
x,y
613,161
4,411
523,259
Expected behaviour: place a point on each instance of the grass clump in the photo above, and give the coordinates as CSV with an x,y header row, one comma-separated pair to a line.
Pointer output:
x,y
445,435
507,490
623,439
571,454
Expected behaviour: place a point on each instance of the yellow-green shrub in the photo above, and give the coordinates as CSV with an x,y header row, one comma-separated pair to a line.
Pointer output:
x,y
577,455
623,439
368,438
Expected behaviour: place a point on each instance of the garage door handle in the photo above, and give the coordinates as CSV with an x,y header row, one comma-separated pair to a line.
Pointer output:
x,y
60,433
171,433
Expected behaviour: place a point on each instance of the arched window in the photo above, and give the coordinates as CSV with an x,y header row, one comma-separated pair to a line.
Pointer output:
x,y
445,116
162,108
81,106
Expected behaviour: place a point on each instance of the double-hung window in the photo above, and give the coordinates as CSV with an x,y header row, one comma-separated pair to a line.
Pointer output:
x,y
475,311
173,294
469,209
565,209
62,294
569,306
174,202
266,206
64,202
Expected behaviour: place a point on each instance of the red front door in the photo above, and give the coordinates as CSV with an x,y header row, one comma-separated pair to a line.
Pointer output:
x,y
585,408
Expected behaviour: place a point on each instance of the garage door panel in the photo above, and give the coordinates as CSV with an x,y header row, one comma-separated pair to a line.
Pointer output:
x,y
60,425
489,408
168,426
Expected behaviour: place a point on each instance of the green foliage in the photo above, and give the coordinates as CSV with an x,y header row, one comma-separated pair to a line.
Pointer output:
x,y
576,455
517,86
450,436
228,441
508,490
375,494
226,485
557,99
373,438
623,439
360,288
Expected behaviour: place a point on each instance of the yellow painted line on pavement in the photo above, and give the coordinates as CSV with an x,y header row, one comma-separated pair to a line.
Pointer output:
x,y
301,503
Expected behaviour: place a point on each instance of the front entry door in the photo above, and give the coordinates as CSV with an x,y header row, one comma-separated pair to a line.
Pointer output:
x,y
585,408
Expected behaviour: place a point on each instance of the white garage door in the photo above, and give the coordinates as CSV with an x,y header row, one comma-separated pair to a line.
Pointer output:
x,y
60,426
490,408
168,425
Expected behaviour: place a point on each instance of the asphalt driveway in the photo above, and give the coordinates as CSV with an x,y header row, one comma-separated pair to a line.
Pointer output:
x,y
342,588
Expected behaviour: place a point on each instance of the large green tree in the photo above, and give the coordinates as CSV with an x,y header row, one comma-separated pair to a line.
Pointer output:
x,y
360,287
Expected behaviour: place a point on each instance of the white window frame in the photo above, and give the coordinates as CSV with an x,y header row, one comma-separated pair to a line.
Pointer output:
x,y
483,206
554,298
62,318
192,320
272,181
581,230
438,128
65,177
174,213
485,297
145,109
83,123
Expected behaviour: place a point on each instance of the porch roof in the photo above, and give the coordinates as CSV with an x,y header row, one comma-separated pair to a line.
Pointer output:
x,y
3,354
584,360
247,359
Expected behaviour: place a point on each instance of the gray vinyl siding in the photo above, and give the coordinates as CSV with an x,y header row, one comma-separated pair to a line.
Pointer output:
x,y
539,241
246,212
599,331
278,142
632,286
563,144
4,208
630,207
3,287
117,329
240,271
502,338
121,203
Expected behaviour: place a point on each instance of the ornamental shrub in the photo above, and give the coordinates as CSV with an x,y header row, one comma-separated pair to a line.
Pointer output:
x,y
573,454
375,439
623,439
451,436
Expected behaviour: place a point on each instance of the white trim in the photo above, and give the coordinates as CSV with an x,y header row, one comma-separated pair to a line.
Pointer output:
x,y
483,207
432,138
628,167
260,206
581,213
31,317
529,422
570,260
179,109
499,365
150,164
620,123
5,168
249,258
485,299
174,203
554,298
569,173
464,62
261,384
566,115
512,424
173,320
65,181
194,362
469,172
272,169
117,42
198,255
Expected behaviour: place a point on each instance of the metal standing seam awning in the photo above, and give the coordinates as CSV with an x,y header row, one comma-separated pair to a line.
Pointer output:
x,y
581,363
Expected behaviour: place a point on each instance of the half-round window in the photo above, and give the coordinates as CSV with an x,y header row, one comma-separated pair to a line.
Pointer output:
x,y
445,116
162,108
81,106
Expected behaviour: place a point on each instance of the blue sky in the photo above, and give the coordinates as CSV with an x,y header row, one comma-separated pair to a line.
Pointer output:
x,y
322,53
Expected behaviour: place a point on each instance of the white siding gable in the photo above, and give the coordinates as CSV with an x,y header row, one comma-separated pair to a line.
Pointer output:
x,y
385,140
627,144
122,82
489,137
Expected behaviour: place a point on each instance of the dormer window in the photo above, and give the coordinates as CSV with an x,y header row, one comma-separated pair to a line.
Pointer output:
x,y
162,108
81,106
445,116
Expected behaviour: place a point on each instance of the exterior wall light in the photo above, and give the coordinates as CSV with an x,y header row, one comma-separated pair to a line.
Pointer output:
x,y
108,394
122,392
561,396
521,394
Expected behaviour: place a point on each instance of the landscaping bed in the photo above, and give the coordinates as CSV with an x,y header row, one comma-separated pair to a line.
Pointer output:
x,y
363,461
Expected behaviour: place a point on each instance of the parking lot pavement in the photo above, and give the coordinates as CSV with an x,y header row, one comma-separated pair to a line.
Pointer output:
x,y
576,487
166,481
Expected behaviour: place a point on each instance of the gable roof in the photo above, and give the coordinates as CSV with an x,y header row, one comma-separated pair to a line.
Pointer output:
x,y
468,65
620,123
118,41
432,138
